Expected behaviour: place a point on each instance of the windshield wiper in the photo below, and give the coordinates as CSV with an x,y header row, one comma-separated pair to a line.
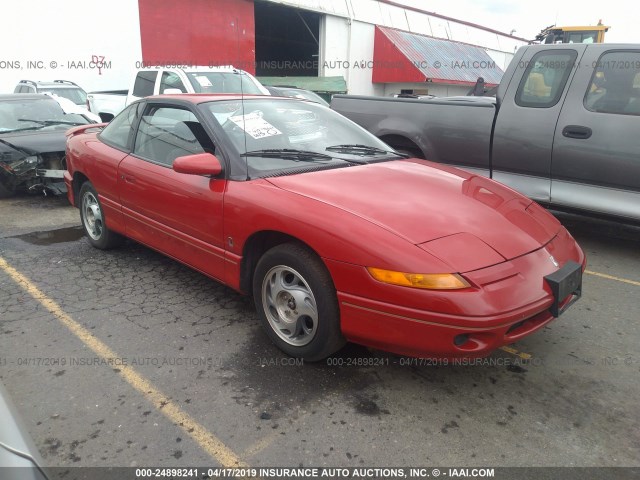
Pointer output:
x,y
49,122
288,154
24,129
358,149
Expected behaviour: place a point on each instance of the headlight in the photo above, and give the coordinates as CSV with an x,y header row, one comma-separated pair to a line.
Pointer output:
x,y
429,281
22,165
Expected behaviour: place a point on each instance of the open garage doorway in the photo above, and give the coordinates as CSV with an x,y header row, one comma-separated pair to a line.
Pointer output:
x,y
286,41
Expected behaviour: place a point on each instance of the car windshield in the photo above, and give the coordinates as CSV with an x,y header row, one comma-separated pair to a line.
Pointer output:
x,y
280,136
36,114
223,82
76,95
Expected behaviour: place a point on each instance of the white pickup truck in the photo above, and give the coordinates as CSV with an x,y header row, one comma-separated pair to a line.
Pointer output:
x,y
155,81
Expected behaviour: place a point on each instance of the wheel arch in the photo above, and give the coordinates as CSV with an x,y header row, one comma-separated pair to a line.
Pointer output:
x,y
79,179
402,143
257,245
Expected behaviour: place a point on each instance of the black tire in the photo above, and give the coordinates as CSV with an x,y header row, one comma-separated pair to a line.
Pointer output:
x,y
6,192
93,220
286,277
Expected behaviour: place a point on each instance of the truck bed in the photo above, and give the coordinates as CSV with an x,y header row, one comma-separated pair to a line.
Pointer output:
x,y
454,130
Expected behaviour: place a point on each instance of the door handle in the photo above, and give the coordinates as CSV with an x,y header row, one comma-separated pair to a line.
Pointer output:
x,y
128,178
577,131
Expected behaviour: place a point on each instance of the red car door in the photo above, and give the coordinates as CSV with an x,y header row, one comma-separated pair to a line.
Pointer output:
x,y
177,214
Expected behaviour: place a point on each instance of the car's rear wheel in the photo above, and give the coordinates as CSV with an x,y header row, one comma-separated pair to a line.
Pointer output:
x,y
93,220
297,303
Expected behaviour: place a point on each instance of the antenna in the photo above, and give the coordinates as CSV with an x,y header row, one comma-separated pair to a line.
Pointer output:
x,y
244,120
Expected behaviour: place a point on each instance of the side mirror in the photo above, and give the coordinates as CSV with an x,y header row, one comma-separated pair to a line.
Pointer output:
x,y
198,164
171,91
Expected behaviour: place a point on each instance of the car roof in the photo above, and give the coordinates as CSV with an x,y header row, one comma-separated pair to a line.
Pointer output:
x,y
287,87
197,98
24,96
197,68
43,83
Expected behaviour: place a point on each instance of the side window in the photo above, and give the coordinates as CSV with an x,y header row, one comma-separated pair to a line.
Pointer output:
x,y
615,84
544,79
582,37
144,83
166,133
18,89
117,133
171,80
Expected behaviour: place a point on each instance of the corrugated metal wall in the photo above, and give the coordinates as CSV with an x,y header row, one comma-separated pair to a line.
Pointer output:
x,y
198,32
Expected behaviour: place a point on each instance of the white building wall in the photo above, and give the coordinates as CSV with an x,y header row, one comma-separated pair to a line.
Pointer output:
x,y
347,38
334,46
75,36
60,39
347,51
360,68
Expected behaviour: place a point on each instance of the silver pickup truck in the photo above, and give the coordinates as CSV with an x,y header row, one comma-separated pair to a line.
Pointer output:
x,y
564,127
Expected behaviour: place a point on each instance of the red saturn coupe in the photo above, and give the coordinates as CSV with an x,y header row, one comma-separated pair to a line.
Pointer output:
x,y
337,237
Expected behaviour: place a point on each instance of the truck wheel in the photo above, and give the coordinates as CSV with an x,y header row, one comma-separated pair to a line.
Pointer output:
x,y
7,191
412,152
297,303
93,221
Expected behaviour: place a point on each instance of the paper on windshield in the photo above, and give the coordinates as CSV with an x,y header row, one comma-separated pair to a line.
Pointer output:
x,y
203,81
255,125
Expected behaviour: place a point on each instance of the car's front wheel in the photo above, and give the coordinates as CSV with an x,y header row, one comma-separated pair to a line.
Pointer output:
x,y
93,221
297,303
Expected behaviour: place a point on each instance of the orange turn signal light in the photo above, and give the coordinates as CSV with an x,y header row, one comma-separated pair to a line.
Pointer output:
x,y
429,281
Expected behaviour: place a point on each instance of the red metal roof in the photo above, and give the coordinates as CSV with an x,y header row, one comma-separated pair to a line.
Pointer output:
x,y
400,56
455,20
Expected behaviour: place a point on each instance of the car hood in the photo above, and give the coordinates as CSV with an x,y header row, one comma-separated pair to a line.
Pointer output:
x,y
32,142
465,220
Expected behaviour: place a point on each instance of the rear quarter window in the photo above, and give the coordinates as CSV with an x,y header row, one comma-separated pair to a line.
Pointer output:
x,y
119,131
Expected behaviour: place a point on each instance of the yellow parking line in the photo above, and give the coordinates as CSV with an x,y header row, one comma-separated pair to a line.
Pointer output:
x,y
260,445
611,277
513,351
207,441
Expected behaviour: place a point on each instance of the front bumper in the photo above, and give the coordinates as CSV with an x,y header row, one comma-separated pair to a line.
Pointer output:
x,y
68,181
425,334
511,300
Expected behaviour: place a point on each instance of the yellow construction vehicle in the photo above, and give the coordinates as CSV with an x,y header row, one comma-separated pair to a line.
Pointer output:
x,y
590,34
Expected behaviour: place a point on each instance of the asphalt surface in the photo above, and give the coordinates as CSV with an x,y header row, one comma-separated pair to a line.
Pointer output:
x,y
566,396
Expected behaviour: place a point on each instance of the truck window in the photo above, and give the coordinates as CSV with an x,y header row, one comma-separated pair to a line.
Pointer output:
x,y
117,133
544,78
615,84
582,37
223,82
144,83
171,80
165,134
